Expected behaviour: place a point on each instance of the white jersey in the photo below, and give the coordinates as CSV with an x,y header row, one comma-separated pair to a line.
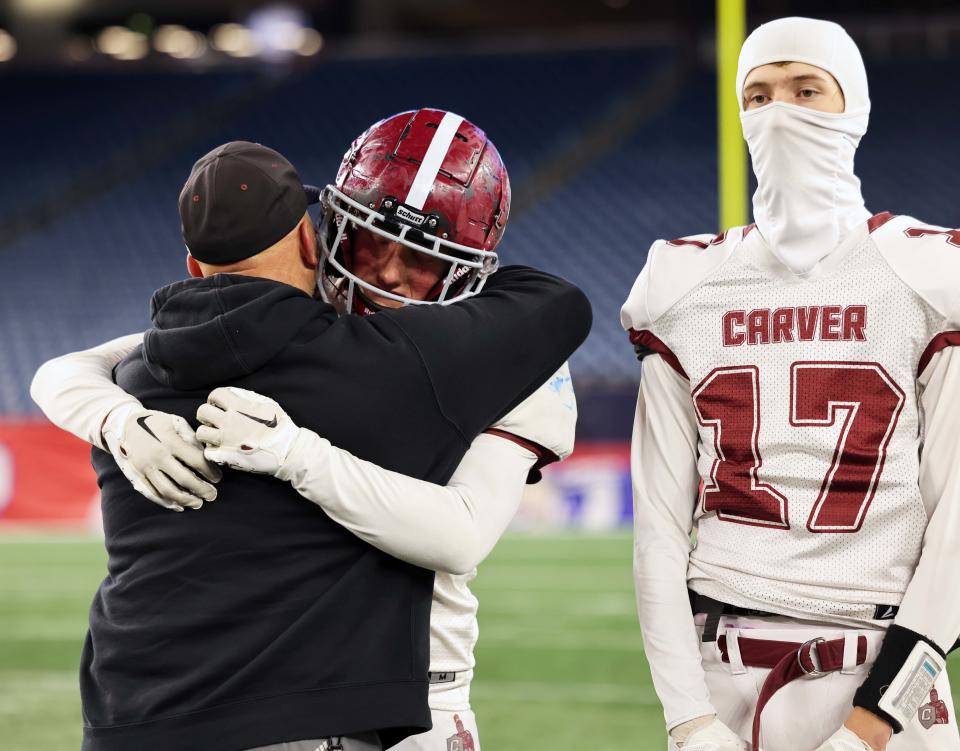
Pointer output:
x,y
453,623
806,401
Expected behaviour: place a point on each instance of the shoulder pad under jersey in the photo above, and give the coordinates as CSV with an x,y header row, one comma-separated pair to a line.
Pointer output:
x,y
674,268
926,257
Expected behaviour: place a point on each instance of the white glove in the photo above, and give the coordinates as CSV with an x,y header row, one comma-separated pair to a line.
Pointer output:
x,y
245,430
705,734
160,456
548,417
844,740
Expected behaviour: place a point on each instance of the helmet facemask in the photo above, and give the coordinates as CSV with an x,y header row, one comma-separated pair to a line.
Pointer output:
x,y
468,267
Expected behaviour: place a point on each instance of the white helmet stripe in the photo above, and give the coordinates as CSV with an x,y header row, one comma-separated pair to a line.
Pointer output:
x,y
432,160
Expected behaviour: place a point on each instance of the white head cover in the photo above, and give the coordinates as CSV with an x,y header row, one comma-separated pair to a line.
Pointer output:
x,y
808,197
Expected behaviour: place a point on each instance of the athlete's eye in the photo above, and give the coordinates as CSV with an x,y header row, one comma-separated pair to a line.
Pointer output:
x,y
808,93
759,99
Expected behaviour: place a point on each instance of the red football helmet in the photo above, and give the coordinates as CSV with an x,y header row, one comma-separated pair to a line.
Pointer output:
x,y
427,179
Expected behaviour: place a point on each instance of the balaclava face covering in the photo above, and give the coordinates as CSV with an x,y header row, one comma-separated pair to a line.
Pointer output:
x,y
808,198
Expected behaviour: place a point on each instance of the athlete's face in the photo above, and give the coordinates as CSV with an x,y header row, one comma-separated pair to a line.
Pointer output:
x,y
793,83
394,267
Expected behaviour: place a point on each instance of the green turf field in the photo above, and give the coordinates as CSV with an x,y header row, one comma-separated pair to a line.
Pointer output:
x,y
560,663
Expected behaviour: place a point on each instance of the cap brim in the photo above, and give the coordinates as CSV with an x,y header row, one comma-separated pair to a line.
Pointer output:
x,y
312,192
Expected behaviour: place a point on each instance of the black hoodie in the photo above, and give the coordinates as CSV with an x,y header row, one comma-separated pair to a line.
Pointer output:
x,y
257,619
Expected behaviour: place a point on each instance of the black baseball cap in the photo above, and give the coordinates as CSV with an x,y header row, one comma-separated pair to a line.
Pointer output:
x,y
240,199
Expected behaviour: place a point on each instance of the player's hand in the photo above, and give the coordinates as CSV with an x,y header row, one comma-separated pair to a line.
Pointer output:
x,y
161,457
245,430
705,734
846,740
548,417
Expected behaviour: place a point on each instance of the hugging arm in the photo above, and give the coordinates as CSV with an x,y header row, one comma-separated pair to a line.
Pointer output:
x,y
448,528
461,522
77,392
157,452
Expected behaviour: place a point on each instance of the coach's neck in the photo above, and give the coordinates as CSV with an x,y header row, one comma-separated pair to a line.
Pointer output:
x,y
292,260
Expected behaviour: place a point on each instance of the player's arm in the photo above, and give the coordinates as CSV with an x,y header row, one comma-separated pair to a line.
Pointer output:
x,y
665,484
76,391
665,481
928,623
927,261
157,452
445,528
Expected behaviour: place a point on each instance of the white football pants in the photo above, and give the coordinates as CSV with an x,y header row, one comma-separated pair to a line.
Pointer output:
x,y
367,742
804,713
454,724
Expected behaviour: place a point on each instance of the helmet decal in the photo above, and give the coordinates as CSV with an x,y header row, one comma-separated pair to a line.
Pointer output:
x,y
430,166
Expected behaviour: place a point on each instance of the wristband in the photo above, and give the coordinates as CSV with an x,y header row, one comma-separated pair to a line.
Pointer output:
x,y
901,677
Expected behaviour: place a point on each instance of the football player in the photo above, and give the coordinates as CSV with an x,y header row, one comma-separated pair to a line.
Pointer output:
x,y
386,240
797,408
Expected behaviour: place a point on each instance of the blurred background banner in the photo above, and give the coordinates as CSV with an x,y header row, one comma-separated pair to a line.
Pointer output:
x,y
45,477
590,491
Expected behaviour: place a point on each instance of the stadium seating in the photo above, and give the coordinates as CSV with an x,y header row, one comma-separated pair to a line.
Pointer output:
x,y
85,272
65,124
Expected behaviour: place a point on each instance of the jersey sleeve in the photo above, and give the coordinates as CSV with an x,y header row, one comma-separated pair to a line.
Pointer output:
x,y
76,391
643,307
488,353
635,315
448,528
927,259
665,483
926,607
672,269
545,422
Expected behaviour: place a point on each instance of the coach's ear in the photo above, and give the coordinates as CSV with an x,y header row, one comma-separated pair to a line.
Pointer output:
x,y
193,268
308,243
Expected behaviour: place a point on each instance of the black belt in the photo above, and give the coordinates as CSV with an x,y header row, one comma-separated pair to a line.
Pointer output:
x,y
714,609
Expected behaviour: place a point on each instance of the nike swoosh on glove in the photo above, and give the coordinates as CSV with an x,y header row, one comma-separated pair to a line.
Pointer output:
x,y
161,457
548,417
245,430
845,740
714,736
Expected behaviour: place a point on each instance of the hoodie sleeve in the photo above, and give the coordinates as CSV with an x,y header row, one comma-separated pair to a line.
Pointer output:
x,y
76,391
488,353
